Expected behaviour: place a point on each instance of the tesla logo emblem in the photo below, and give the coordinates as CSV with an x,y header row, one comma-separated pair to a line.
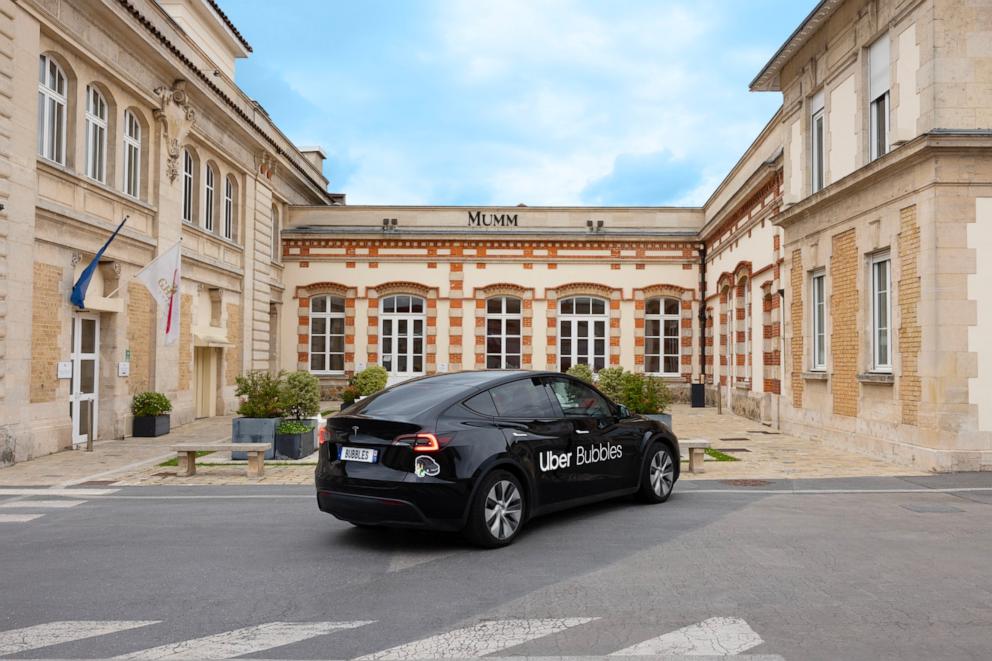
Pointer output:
x,y
354,432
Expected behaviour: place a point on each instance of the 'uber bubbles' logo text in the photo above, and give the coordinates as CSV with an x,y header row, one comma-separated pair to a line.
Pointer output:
x,y
551,461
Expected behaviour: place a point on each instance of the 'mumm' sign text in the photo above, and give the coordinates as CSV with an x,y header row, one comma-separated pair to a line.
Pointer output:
x,y
480,219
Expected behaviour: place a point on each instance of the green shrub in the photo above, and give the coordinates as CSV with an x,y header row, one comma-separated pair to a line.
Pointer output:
x,y
370,380
293,427
581,371
149,404
610,382
260,393
300,395
349,395
644,394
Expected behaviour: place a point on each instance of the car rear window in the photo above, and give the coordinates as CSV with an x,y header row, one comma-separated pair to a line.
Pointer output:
x,y
523,398
405,400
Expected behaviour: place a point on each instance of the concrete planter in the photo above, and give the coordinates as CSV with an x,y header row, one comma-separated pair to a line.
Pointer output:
x,y
254,430
297,446
661,417
147,426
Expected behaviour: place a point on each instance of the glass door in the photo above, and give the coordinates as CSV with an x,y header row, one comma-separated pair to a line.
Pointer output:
x,y
83,407
402,332
582,333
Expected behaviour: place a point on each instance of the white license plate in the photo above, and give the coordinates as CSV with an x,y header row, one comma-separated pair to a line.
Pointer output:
x,y
366,455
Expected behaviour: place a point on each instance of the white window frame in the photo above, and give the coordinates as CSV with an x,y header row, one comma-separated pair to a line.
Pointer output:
x,y
96,134
504,336
661,317
731,335
209,190
327,316
818,311
747,329
188,165
878,289
573,319
879,84
410,319
879,133
817,154
52,110
228,208
132,154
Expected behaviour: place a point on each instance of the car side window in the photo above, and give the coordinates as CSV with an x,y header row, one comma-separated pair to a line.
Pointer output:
x,y
482,403
578,400
523,398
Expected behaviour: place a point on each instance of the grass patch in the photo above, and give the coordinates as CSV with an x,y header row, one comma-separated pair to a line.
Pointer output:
x,y
720,456
175,460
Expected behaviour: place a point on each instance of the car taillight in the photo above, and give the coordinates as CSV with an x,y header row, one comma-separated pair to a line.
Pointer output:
x,y
322,435
419,442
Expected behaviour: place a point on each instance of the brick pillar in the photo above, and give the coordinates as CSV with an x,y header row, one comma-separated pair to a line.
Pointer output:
x,y
910,334
798,360
844,336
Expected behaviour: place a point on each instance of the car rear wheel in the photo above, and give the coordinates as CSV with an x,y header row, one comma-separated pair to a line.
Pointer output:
x,y
497,511
659,475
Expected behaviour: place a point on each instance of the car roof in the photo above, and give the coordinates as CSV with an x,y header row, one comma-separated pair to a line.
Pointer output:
x,y
479,378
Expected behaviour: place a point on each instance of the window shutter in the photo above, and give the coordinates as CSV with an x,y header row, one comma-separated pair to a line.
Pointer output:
x,y
879,65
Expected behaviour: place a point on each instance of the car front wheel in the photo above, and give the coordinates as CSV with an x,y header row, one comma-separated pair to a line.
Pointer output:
x,y
659,475
497,511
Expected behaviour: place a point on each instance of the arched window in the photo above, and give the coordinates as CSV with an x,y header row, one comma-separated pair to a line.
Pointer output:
x,y
51,110
188,169
402,321
230,217
662,319
326,334
209,183
276,245
503,329
96,134
132,154
582,324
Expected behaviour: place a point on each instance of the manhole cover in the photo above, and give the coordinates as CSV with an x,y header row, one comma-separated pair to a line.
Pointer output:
x,y
746,483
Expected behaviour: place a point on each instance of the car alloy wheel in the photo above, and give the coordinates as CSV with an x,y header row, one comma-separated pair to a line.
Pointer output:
x,y
503,510
661,473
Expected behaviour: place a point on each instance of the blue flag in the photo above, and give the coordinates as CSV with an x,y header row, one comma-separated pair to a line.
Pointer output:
x,y
78,296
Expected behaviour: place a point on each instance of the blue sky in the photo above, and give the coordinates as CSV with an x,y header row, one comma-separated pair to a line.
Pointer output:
x,y
542,102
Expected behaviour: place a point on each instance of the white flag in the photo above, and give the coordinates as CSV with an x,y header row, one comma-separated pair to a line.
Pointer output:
x,y
162,278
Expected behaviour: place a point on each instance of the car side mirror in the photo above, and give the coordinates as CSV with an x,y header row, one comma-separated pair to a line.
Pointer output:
x,y
624,412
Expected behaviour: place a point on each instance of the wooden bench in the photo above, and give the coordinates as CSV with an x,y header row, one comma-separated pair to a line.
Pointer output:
x,y
697,452
255,451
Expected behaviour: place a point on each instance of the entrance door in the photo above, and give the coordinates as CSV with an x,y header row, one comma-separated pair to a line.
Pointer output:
x,y
83,406
205,362
582,332
403,321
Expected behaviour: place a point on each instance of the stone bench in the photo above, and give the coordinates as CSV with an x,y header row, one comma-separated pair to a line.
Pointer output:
x,y
255,451
697,452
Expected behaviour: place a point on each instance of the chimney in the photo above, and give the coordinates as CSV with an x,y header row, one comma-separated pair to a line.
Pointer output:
x,y
315,155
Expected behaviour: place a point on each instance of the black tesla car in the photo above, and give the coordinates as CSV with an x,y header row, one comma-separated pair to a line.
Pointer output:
x,y
483,452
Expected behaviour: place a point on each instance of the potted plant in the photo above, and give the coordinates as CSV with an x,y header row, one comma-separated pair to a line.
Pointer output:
x,y
349,396
300,399
647,395
260,410
370,380
151,414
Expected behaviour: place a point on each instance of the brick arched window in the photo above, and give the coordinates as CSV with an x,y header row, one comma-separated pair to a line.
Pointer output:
x,y
327,333
662,335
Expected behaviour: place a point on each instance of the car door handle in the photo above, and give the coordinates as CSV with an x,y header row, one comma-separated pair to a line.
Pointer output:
x,y
581,431
518,433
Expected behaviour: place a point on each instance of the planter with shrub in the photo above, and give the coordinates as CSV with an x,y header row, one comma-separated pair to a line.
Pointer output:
x,y
299,399
260,410
151,414
369,381
647,395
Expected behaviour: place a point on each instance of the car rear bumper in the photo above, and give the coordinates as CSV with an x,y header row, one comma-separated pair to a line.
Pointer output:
x,y
434,507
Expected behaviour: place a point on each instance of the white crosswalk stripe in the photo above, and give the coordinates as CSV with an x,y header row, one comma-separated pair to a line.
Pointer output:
x,y
19,518
56,633
249,640
484,638
717,636
57,493
40,504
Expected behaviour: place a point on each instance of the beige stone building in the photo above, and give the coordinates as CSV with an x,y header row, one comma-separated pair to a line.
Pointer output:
x,y
836,284
111,108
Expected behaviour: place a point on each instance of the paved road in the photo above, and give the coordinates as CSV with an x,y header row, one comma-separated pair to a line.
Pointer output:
x,y
881,568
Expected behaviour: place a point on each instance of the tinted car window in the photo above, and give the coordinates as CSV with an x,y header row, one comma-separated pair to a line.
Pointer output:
x,y
482,403
577,399
405,400
524,398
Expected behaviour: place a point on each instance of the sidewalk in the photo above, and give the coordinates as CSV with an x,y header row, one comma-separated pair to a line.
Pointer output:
x,y
762,454
111,460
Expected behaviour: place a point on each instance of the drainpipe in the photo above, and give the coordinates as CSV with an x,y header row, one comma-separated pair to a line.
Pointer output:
x,y
702,319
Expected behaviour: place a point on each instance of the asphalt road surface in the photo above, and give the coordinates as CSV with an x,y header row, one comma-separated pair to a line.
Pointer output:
x,y
880,568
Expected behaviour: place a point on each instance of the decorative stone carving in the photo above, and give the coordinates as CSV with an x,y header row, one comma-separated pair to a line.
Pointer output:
x,y
265,162
176,117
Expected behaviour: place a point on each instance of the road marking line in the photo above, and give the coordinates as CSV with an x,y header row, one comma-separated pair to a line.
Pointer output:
x,y
49,504
42,491
56,633
18,518
479,640
717,636
242,641
405,559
